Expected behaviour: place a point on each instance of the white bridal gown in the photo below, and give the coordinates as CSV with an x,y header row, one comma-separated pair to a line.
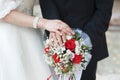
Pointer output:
x,y
21,49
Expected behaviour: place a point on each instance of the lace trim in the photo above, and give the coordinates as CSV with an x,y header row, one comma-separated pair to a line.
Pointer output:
x,y
22,8
26,8
8,6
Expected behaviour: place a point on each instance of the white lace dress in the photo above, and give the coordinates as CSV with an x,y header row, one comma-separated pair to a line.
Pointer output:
x,y
21,49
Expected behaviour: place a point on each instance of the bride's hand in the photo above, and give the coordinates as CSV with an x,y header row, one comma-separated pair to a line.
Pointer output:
x,y
56,26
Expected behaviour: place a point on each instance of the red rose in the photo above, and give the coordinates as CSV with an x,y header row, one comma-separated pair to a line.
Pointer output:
x,y
46,49
70,44
56,58
77,58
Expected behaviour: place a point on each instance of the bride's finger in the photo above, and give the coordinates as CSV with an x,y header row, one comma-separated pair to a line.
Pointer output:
x,y
62,29
70,31
67,28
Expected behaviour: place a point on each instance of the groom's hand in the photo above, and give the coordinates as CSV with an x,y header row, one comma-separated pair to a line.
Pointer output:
x,y
56,26
58,39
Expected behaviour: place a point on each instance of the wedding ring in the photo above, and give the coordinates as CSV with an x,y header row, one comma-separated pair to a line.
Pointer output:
x,y
59,28
52,40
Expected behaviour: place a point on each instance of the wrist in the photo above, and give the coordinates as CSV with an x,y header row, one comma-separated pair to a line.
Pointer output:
x,y
35,22
41,23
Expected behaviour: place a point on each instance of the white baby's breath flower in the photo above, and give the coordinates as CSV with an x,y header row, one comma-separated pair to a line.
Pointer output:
x,y
60,55
56,50
75,67
58,70
68,37
70,55
68,52
48,60
77,50
77,43
63,48
47,42
62,60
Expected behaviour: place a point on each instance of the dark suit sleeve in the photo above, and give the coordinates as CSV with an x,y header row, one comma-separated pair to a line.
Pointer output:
x,y
49,9
98,24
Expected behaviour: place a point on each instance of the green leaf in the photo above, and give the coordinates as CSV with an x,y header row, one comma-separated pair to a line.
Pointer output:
x,y
84,47
76,36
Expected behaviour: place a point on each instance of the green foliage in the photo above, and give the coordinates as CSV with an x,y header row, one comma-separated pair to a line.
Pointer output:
x,y
84,47
76,36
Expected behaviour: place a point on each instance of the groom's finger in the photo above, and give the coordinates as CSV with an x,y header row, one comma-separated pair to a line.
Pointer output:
x,y
51,38
64,37
55,41
59,39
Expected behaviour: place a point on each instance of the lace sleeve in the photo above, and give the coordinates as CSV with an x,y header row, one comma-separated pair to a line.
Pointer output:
x,y
7,5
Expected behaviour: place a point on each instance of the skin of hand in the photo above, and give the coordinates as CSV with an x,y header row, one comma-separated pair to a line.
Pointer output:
x,y
57,39
24,20
56,26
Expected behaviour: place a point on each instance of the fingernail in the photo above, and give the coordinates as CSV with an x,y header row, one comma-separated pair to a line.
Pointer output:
x,y
73,32
69,33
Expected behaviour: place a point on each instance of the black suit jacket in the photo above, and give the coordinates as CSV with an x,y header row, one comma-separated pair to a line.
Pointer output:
x,y
92,16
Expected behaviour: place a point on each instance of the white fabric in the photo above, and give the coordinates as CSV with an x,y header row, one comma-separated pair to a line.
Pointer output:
x,y
7,5
21,49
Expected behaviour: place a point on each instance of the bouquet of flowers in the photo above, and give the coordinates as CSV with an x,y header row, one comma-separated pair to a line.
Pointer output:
x,y
73,56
